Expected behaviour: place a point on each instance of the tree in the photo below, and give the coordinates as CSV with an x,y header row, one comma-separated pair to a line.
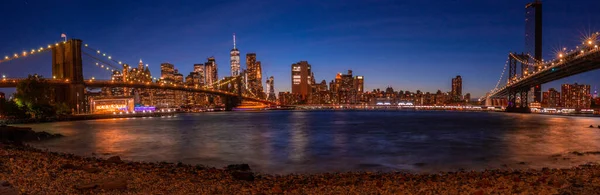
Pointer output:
x,y
33,91
10,109
34,95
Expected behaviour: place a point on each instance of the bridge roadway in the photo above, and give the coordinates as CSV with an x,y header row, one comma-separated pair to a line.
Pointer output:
x,y
571,63
12,83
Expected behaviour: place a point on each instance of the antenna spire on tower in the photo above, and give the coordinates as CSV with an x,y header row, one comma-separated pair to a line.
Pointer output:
x,y
233,40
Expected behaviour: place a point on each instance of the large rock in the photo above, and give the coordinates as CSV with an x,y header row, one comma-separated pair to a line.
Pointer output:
x,y
23,134
238,167
114,159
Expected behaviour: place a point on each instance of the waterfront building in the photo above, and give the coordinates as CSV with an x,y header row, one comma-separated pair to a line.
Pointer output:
x,y
320,94
109,105
359,85
551,98
333,91
287,98
576,96
301,79
456,89
347,91
234,60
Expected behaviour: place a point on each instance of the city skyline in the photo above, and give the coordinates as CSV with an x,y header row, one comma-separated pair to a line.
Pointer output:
x,y
324,44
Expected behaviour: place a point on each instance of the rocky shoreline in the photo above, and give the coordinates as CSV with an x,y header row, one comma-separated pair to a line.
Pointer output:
x,y
27,170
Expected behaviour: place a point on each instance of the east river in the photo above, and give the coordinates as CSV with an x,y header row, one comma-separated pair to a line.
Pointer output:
x,y
282,142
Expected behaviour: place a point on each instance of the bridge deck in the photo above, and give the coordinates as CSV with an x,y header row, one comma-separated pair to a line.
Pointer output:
x,y
12,83
572,64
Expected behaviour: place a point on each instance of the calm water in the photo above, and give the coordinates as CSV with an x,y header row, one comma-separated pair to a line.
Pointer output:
x,y
307,142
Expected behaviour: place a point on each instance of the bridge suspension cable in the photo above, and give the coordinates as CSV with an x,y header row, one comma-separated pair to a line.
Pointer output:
x,y
100,60
29,53
501,75
109,57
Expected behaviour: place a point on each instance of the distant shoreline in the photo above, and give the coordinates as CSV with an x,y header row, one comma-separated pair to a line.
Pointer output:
x,y
86,117
159,114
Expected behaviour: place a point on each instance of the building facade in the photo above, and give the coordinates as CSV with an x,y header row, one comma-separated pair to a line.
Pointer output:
x,y
456,89
199,75
301,78
347,91
551,98
210,69
271,89
576,96
254,75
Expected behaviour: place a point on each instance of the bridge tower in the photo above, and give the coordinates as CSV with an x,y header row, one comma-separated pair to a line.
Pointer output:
x,y
233,101
533,40
517,93
66,65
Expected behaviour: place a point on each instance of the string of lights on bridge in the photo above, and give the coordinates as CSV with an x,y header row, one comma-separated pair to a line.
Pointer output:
x,y
33,51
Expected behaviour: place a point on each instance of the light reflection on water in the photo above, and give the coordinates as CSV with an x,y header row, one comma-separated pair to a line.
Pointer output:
x,y
296,141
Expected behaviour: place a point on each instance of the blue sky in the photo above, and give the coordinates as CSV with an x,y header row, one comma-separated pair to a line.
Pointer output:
x,y
408,45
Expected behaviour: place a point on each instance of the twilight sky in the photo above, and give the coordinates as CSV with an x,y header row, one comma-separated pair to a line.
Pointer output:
x,y
408,45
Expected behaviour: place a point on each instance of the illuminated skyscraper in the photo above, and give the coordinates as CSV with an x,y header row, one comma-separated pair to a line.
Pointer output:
x,y
271,89
254,73
533,39
167,72
347,91
234,60
210,70
301,85
456,88
359,84
199,76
